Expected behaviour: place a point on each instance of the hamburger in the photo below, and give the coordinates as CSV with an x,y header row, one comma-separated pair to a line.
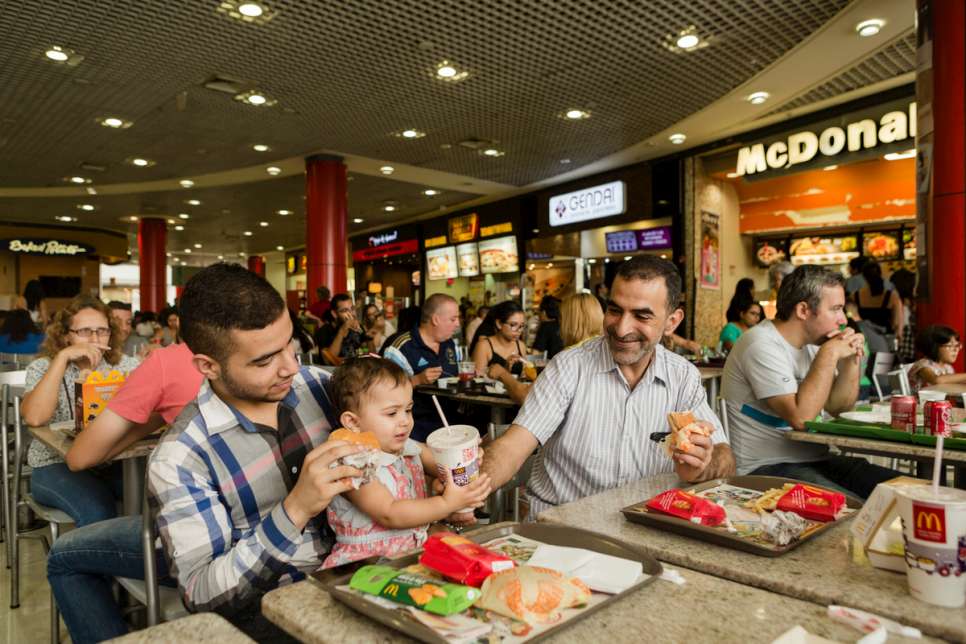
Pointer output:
x,y
683,427
367,460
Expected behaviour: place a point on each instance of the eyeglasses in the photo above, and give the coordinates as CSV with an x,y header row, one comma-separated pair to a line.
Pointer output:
x,y
952,346
87,332
515,327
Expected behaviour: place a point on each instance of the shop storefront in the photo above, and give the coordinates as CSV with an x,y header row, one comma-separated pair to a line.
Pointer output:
x,y
825,190
387,267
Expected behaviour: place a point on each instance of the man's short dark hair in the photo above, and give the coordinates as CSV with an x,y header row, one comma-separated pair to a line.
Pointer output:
x,y
433,304
323,292
649,267
356,376
932,338
337,299
222,298
805,284
118,305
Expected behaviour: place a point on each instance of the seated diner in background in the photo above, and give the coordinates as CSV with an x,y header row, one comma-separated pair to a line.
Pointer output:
x,y
783,373
497,341
170,326
939,345
595,406
879,303
742,314
82,337
341,336
548,333
19,334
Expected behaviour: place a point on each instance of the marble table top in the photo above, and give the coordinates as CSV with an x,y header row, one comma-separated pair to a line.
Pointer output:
x,y
201,627
820,571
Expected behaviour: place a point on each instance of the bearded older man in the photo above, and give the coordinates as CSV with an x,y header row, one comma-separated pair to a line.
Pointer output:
x,y
595,406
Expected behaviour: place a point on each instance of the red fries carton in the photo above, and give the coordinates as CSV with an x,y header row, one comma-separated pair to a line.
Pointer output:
x,y
689,507
811,502
461,560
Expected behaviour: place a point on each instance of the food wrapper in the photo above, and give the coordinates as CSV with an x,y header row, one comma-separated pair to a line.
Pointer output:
x,y
411,589
91,395
815,503
461,560
689,507
781,527
367,461
532,594
683,427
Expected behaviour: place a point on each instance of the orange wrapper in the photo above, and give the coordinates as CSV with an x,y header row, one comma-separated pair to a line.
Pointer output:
x,y
689,507
815,503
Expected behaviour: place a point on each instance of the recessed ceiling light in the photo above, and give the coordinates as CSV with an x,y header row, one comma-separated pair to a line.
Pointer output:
x,y
179,228
114,122
247,233
492,152
241,254
251,9
261,147
430,192
184,215
389,208
758,98
895,156
677,138
256,98
564,161
280,248
65,218
197,245
830,167
868,28
187,183
445,70
187,251
78,180
58,54
387,169
193,202
688,41
358,220
591,261
141,163
411,134
172,221
176,260
263,224
221,257
284,213
167,254
732,175
576,115
273,170
133,218
86,206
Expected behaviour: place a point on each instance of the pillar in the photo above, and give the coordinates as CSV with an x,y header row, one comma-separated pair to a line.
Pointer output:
x,y
941,205
152,260
256,264
326,212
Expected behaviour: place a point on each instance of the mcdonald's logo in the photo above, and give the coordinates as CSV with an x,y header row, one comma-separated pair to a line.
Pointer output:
x,y
392,590
930,522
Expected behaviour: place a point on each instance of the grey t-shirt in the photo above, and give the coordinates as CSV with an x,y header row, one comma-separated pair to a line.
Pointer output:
x,y
761,365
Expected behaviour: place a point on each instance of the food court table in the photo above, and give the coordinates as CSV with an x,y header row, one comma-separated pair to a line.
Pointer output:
x,y
201,627
819,571
949,390
710,377
133,461
704,609
497,404
877,447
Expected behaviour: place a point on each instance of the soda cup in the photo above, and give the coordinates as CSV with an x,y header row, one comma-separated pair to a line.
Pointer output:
x,y
904,413
457,449
934,533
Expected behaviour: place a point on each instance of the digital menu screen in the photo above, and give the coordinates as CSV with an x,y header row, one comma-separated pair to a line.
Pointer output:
x,y
468,259
824,250
909,243
881,245
654,238
441,263
499,255
770,251
622,241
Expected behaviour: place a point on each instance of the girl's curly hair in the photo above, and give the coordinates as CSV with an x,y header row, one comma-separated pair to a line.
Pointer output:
x,y
58,330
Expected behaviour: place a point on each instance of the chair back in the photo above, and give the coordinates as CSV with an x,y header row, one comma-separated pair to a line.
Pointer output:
x,y
881,366
899,380
723,416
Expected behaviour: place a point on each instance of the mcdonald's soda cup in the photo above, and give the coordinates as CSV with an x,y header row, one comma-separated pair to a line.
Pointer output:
x,y
934,532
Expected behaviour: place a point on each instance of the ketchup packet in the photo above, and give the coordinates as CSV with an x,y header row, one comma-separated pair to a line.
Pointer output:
x,y
461,560
687,506
811,502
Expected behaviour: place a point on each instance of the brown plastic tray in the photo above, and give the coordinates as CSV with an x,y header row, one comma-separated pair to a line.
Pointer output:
x,y
544,533
638,513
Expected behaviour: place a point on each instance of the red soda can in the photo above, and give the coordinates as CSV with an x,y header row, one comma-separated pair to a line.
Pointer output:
x,y
904,413
936,417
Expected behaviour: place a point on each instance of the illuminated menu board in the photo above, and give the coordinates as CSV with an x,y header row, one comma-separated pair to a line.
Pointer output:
x,y
442,263
468,258
499,255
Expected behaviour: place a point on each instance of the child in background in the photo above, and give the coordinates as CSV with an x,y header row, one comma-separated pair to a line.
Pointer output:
x,y
939,345
390,514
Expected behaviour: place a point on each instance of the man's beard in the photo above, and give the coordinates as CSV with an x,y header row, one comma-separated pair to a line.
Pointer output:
x,y
242,392
624,356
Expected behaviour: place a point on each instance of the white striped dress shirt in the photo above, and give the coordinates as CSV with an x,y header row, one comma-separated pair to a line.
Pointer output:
x,y
595,431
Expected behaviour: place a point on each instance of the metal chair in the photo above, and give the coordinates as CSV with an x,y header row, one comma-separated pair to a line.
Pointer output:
x,y
163,603
55,519
881,366
723,416
11,384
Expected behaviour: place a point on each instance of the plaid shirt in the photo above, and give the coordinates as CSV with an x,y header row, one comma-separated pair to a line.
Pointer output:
x,y
216,483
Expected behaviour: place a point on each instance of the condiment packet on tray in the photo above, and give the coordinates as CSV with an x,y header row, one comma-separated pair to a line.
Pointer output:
x,y
600,572
815,503
687,506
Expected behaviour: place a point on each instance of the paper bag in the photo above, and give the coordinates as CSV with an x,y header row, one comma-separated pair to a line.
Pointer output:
x,y
91,396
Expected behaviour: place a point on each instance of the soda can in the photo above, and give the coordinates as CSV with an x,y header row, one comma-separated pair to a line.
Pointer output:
x,y
904,413
936,417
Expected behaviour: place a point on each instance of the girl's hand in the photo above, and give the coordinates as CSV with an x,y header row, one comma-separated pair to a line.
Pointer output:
x,y
472,495
89,351
512,359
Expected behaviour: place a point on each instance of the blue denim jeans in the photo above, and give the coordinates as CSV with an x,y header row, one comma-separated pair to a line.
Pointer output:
x,y
847,474
88,496
80,569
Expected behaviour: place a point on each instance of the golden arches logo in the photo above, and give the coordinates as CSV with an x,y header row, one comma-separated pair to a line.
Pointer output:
x,y
929,521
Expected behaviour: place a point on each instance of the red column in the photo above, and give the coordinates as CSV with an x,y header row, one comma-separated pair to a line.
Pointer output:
x,y
152,239
943,87
256,264
326,213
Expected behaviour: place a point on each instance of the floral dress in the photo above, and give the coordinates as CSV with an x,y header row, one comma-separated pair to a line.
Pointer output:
x,y
357,535
938,368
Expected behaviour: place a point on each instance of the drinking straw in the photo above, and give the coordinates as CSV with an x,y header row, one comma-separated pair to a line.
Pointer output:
x,y
937,466
442,416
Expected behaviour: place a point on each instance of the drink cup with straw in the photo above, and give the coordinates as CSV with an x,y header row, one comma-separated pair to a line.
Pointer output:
x,y
456,448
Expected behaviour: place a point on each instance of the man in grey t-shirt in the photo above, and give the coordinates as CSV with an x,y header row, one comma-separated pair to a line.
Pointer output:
x,y
783,373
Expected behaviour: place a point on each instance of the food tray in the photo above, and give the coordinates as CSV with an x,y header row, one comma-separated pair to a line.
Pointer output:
x,y
638,513
401,621
859,430
930,441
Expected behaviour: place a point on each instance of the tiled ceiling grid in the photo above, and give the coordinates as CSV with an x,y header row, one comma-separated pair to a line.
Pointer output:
x,y
348,74
895,59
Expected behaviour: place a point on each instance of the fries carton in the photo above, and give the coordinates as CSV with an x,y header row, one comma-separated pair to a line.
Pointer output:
x,y
91,396
877,528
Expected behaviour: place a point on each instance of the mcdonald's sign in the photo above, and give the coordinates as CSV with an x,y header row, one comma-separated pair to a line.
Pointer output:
x,y
930,522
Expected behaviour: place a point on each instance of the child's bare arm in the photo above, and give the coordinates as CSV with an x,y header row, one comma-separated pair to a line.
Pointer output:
x,y
376,501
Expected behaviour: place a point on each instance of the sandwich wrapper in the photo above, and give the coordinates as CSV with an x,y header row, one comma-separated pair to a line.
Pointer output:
x,y
600,572
368,460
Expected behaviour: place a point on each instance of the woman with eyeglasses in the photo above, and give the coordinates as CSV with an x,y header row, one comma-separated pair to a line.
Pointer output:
x,y
81,338
497,341
939,346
